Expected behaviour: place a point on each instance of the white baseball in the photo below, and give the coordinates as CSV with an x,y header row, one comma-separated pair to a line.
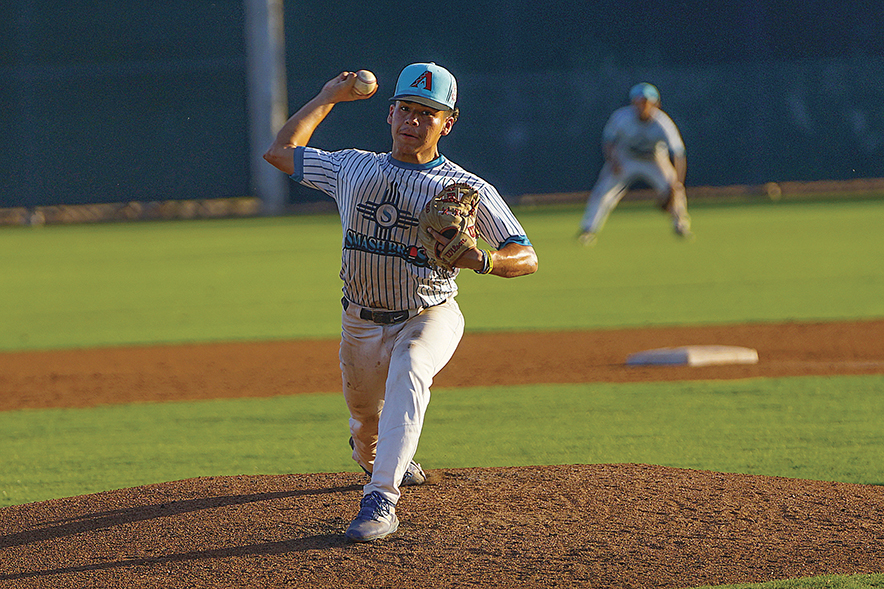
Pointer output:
x,y
365,83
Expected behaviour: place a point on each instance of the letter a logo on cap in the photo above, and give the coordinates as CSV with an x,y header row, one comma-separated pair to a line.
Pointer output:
x,y
427,84
425,79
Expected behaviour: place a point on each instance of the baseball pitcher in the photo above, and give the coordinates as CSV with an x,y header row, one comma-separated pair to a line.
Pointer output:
x,y
411,219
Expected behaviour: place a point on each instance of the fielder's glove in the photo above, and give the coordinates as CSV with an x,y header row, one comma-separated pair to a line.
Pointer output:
x,y
451,213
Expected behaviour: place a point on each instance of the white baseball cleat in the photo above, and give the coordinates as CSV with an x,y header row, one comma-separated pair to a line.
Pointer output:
x,y
586,238
377,519
414,475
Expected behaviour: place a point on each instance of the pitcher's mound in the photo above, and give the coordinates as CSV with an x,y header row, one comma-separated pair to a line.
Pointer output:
x,y
695,356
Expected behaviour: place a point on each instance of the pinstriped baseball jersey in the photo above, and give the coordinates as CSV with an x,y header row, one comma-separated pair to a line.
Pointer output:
x,y
379,199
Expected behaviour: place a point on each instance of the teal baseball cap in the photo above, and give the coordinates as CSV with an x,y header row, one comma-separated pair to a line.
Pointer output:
x,y
644,90
428,84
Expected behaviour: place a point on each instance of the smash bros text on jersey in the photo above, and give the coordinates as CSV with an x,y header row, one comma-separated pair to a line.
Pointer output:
x,y
384,247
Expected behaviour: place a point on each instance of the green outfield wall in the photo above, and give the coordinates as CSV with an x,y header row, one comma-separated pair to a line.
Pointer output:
x,y
132,101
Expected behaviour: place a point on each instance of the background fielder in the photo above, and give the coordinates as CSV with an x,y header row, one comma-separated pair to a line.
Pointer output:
x,y
400,322
639,142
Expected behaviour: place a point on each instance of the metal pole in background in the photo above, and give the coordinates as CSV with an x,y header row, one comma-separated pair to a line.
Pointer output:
x,y
267,98
25,182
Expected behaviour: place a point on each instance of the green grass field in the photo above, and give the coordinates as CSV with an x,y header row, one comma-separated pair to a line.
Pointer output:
x,y
812,428
254,279
86,285
824,582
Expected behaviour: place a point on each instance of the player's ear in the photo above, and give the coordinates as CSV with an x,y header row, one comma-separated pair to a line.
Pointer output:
x,y
390,114
449,123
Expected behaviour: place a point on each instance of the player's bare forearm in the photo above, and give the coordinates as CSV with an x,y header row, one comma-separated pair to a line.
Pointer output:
x,y
514,260
681,168
508,262
297,131
300,127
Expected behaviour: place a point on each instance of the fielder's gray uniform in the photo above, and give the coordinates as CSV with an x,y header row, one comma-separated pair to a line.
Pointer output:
x,y
643,150
400,323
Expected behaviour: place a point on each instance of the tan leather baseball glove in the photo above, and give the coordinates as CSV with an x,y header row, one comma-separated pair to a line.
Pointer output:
x,y
452,213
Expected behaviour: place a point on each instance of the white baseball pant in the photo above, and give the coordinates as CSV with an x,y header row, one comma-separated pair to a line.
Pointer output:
x,y
387,371
611,187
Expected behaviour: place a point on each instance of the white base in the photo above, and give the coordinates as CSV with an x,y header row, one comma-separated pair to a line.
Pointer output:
x,y
695,356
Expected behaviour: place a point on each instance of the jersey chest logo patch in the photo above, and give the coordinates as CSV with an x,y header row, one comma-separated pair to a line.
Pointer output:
x,y
386,216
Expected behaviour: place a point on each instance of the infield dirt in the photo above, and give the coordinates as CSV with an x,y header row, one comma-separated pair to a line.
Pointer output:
x,y
623,525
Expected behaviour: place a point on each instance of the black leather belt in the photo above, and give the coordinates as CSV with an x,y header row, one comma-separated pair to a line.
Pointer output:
x,y
382,317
